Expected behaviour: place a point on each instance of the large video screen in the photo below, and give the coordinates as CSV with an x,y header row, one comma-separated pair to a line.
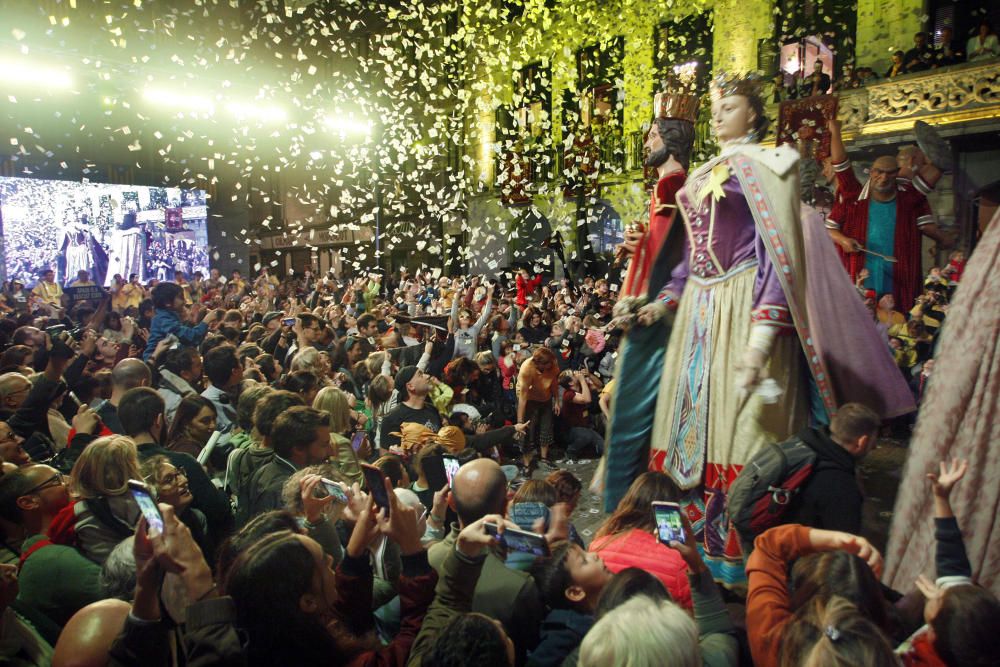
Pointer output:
x,y
103,229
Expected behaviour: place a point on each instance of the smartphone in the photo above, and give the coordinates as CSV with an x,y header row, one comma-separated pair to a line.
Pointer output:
x,y
376,485
288,321
76,399
146,504
451,466
332,488
669,525
434,471
358,440
520,540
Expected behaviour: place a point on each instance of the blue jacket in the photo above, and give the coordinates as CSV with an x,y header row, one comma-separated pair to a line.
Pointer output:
x,y
562,632
166,322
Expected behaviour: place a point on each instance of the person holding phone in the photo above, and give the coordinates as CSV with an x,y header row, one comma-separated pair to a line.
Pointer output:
x,y
629,536
168,484
300,437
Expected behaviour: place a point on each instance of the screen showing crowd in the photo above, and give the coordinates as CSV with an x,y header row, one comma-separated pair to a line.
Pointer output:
x,y
101,228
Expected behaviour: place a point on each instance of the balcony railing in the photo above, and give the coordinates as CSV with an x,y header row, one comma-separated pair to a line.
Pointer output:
x,y
962,93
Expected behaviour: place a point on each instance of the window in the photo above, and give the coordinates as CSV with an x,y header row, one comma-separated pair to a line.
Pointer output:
x,y
832,23
684,43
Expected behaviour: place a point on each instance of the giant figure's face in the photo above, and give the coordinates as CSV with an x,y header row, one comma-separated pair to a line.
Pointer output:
x,y
733,118
668,137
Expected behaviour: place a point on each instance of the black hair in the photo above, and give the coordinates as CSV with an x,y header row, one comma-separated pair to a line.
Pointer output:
x,y
187,410
164,294
13,485
272,405
553,577
220,362
138,409
296,429
677,137
470,639
180,360
627,584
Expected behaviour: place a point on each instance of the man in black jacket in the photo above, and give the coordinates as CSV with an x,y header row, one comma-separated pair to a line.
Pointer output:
x,y
831,498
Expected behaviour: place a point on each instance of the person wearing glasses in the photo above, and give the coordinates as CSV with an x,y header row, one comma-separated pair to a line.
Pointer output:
x,y
54,580
11,446
169,485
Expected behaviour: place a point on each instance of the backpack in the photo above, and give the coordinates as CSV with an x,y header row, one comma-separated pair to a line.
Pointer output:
x,y
761,494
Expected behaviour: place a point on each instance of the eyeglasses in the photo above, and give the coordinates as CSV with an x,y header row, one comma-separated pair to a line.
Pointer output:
x,y
56,480
173,478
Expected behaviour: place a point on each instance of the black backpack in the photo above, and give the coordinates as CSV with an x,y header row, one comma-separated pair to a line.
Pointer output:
x,y
761,494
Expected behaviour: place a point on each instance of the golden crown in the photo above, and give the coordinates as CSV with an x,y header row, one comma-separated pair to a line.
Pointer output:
x,y
725,84
676,105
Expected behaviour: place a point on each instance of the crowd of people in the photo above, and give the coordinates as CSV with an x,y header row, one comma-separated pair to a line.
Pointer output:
x,y
928,52
256,429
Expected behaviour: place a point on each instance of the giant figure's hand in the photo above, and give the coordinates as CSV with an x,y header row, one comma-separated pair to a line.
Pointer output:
x,y
652,312
749,374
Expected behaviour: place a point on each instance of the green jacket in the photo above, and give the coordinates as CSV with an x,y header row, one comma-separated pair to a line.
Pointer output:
x,y
58,580
458,576
507,595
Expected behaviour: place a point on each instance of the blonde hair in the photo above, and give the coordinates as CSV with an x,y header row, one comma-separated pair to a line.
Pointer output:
x,y
834,634
105,467
642,633
336,403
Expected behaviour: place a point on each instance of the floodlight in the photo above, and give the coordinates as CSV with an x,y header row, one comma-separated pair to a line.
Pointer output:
x,y
22,72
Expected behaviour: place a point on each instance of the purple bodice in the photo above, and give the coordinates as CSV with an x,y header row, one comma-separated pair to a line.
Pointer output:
x,y
718,243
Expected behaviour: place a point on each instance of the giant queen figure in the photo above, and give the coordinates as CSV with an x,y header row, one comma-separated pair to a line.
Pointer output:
x,y
747,362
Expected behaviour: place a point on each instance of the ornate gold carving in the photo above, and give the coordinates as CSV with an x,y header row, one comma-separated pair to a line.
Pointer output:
x,y
937,92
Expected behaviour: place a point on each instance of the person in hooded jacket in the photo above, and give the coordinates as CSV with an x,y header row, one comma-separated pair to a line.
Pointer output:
x,y
831,498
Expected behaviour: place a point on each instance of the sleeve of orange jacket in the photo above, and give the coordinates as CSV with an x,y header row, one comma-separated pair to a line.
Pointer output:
x,y
768,600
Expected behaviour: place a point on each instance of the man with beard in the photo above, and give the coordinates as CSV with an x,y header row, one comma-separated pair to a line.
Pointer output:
x,y
877,221
654,251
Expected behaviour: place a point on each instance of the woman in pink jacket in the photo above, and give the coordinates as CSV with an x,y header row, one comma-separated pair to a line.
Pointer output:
x,y
627,538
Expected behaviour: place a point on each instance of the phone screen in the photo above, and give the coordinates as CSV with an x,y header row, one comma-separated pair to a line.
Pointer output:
x,y
146,505
520,540
451,466
358,440
288,321
669,526
376,485
334,490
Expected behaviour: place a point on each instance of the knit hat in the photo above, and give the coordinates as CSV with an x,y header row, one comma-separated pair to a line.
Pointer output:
x,y
403,376
270,316
452,438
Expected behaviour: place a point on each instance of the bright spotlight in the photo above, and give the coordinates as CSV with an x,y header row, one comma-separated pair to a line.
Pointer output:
x,y
348,125
178,101
21,72
266,114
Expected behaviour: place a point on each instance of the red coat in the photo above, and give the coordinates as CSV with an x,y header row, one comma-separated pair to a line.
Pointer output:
x,y
526,287
662,213
850,216
641,549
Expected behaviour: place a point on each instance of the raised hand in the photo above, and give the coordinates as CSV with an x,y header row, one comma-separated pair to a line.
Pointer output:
x,y
401,525
949,475
312,506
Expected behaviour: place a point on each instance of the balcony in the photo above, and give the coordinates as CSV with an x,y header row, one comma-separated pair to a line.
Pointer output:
x,y
967,94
